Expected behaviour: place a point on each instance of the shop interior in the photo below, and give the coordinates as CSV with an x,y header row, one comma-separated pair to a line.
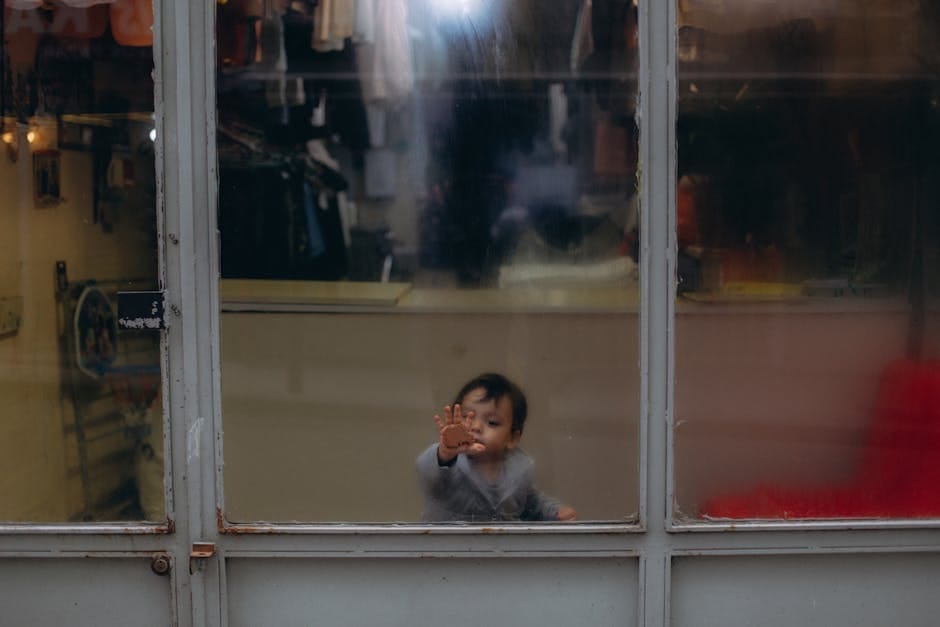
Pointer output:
x,y
807,233
420,174
806,174
411,193
442,144
79,396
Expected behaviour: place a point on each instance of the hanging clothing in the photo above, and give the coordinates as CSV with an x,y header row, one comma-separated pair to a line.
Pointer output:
x,y
254,8
324,73
333,24
132,22
273,53
65,77
385,66
364,22
613,30
583,45
315,244
558,118
280,91
281,220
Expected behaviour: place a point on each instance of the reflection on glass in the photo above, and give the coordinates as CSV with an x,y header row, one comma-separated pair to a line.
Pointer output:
x,y
81,436
411,194
807,380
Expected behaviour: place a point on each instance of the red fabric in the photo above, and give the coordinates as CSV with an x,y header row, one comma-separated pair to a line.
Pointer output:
x,y
899,473
132,22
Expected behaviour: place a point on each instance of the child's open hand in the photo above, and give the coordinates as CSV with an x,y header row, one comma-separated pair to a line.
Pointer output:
x,y
455,434
567,514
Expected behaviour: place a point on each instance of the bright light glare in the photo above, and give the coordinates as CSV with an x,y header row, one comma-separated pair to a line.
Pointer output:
x,y
31,136
153,134
454,7
7,137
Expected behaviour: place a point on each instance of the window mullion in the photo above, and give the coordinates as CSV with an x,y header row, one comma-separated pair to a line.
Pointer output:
x,y
657,262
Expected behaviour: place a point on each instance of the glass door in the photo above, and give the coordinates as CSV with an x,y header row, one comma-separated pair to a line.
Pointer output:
x,y
94,526
81,397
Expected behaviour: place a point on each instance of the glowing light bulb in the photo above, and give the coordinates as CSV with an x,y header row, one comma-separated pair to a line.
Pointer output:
x,y
7,137
153,134
31,136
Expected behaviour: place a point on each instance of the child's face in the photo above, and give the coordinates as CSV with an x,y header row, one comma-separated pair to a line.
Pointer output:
x,y
491,424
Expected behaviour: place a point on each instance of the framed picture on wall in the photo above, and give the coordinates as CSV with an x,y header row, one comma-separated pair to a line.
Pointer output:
x,y
74,136
46,178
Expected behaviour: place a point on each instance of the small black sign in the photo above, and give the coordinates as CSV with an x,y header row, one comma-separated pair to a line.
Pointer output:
x,y
141,311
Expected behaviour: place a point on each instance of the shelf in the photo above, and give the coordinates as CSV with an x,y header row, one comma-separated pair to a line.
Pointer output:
x,y
242,294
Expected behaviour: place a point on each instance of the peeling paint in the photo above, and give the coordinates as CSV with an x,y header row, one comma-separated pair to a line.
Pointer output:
x,y
248,530
192,439
140,323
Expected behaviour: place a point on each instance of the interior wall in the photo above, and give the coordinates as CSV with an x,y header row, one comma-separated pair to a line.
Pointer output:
x,y
38,475
782,399
32,470
333,409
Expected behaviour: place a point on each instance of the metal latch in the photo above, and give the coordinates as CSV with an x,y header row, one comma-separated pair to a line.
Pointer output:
x,y
202,550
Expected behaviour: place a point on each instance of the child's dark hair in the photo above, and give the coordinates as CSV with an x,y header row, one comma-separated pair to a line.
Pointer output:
x,y
496,387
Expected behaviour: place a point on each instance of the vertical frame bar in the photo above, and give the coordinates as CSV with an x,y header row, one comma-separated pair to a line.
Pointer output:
x,y
186,41
657,35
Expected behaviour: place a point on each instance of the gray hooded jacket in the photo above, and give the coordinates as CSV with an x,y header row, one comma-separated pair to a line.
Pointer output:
x,y
457,492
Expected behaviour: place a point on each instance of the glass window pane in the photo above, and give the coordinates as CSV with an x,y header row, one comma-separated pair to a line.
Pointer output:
x,y
412,194
80,411
807,376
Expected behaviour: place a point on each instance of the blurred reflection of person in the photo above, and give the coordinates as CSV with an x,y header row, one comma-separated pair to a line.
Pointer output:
x,y
476,471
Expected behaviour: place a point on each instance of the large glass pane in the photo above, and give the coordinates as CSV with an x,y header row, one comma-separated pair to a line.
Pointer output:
x,y
80,412
807,376
413,193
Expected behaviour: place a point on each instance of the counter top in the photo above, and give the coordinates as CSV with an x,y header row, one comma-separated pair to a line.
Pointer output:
x,y
235,294
263,295
363,297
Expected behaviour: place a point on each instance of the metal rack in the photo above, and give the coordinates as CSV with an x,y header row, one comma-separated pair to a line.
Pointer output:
x,y
102,422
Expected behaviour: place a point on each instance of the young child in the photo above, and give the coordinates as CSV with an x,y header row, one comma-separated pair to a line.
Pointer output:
x,y
476,472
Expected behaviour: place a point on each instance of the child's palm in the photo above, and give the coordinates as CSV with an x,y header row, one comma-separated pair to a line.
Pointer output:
x,y
456,435
455,431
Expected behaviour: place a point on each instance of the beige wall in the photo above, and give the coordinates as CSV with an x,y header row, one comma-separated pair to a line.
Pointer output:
x,y
323,414
38,478
776,398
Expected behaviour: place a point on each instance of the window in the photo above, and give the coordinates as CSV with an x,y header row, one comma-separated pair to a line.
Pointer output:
x,y
80,397
411,195
806,377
